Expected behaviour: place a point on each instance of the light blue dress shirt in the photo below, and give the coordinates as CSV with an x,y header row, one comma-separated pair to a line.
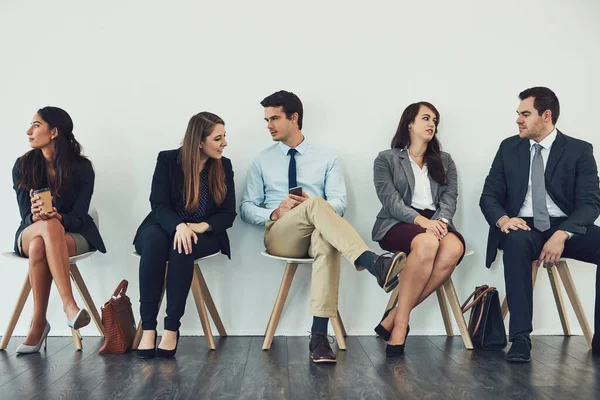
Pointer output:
x,y
318,172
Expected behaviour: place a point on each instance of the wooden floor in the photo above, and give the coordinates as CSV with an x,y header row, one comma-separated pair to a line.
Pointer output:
x,y
434,367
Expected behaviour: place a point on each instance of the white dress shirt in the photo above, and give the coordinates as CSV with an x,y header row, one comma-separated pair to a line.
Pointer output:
x,y
527,207
422,197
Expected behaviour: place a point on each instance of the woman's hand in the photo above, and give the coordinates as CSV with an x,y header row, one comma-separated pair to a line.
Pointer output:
x,y
52,214
183,239
200,227
438,228
36,209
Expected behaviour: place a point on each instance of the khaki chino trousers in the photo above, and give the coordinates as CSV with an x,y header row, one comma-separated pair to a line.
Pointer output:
x,y
314,229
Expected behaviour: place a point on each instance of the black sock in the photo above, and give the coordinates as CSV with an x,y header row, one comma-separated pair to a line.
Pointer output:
x,y
367,261
319,325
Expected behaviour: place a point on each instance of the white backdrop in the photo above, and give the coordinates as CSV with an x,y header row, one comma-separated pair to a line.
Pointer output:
x,y
131,74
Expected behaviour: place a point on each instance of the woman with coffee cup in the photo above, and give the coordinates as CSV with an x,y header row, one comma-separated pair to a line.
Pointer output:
x,y
193,204
54,185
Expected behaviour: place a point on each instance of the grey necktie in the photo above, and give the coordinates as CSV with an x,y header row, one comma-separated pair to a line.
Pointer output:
x,y
541,219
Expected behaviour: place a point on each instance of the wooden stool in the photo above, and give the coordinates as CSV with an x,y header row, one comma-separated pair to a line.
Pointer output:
x,y
284,288
561,269
448,287
203,301
26,289
77,280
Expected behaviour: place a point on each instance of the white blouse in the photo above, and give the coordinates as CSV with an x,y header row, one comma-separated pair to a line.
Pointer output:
x,y
422,197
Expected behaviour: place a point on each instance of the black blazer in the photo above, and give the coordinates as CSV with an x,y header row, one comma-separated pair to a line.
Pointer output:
x,y
571,179
73,204
166,197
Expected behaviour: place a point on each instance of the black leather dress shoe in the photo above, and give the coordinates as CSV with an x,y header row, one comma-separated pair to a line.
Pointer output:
x,y
147,353
395,350
167,353
388,269
320,350
520,351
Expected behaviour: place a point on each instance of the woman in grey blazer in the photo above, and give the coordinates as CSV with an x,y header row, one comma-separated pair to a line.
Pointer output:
x,y
417,185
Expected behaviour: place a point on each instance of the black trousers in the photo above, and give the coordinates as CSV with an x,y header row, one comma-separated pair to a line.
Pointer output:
x,y
156,249
521,248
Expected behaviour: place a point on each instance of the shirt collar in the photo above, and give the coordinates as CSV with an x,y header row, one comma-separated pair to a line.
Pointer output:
x,y
546,143
301,148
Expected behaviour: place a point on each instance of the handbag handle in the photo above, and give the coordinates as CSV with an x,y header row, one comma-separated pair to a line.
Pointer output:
x,y
479,292
121,289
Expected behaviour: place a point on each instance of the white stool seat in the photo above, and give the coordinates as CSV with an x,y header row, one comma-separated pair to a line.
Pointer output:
x,y
135,254
72,260
288,259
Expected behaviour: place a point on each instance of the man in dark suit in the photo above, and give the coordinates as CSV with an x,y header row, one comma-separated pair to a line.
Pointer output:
x,y
541,199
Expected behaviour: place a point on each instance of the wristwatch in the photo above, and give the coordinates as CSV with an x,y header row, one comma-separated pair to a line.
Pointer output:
x,y
444,220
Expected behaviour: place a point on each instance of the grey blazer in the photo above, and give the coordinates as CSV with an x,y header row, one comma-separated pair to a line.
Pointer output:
x,y
394,182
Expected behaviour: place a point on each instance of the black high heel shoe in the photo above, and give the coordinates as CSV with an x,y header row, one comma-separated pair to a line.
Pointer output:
x,y
148,353
168,353
394,350
380,330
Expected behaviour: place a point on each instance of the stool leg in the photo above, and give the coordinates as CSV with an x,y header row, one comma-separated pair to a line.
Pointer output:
x,y
138,333
25,290
458,314
138,336
504,308
200,305
393,301
560,305
210,304
338,328
444,309
341,324
284,289
87,298
77,339
567,280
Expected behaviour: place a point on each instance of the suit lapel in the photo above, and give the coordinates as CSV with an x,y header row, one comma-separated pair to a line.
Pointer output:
x,y
405,163
557,150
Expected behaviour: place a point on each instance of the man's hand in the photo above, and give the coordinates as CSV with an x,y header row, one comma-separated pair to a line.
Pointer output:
x,y
287,204
507,224
553,249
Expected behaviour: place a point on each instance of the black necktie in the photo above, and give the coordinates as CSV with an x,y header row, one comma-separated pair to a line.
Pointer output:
x,y
292,169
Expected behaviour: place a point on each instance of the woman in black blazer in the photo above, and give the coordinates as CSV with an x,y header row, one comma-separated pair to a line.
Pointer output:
x,y
48,239
193,204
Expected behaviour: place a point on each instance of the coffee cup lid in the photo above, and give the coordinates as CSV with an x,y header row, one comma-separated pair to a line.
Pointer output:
x,y
41,190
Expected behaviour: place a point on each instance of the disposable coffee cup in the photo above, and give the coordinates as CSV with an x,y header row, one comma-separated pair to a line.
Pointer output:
x,y
46,198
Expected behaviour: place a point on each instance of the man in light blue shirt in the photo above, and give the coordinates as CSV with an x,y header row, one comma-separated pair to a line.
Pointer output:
x,y
296,189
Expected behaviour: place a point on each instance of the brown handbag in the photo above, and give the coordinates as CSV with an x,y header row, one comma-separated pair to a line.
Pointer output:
x,y
118,321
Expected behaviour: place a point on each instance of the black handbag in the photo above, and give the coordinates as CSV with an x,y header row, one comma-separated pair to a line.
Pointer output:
x,y
486,325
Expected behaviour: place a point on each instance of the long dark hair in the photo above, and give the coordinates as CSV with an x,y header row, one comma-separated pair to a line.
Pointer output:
x,y
66,155
199,128
433,156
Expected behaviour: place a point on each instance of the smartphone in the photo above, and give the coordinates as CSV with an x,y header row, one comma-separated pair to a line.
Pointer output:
x,y
296,191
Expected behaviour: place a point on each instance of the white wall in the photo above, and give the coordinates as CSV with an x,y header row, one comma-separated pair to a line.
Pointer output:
x,y
132,73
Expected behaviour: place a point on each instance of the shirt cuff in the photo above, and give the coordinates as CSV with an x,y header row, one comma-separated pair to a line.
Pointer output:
x,y
265,214
570,234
